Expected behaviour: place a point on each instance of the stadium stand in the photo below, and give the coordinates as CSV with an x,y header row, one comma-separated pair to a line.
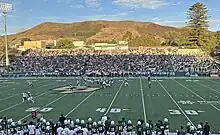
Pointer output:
x,y
113,63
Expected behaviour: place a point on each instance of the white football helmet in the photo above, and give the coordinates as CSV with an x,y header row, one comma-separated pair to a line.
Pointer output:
x,y
68,121
94,123
147,125
47,127
19,122
99,122
13,123
77,120
188,124
65,122
129,121
44,121
90,119
199,126
192,128
112,123
48,123
138,123
82,122
165,120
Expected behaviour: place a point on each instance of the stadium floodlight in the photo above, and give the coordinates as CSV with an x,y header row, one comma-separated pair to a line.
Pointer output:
x,y
5,8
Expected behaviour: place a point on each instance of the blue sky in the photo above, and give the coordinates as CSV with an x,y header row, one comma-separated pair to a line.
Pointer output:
x,y
28,13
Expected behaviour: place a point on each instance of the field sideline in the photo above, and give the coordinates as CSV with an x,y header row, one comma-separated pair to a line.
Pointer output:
x,y
179,99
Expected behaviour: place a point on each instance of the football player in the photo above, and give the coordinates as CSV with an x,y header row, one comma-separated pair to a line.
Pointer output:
x,y
30,98
25,97
139,128
94,129
199,130
112,128
48,130
101,129
148,78
89,125
30,84
120,128
77,123
166,125
149,84
82,124
12,130
19,128
147,130
126,82
129,128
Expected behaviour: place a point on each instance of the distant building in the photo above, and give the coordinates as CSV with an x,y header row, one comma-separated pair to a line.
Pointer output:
x,y
78,43
34,45
122,42
100,44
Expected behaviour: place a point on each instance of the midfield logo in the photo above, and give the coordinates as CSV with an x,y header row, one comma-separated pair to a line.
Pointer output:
x,y
75,89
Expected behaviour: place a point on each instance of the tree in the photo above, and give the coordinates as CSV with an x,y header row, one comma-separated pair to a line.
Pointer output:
x,y
127,36
64,44
218,38
197,16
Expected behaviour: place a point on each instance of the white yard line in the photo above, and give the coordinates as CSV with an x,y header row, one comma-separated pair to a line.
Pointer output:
x,y
174,101
79,104
46,105
7,90
213,81
113,100
208,87
22,102
143,102
195,94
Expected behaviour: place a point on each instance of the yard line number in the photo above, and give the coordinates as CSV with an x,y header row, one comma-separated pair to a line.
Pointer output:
x,y
47,109
113,110
188,112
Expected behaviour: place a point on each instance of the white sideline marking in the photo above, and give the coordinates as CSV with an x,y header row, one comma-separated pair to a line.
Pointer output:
x,y
22,102
7,90
113,100
213,81
79,104
46,105
195,94
176,104
209,87
143,102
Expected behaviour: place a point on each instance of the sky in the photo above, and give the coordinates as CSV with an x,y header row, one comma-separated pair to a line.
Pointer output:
x,y
29,13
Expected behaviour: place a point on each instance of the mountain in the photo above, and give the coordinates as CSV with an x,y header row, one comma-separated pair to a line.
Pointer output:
x,y
97,30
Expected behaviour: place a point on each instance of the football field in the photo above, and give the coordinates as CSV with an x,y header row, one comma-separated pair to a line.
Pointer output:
x,y
178,99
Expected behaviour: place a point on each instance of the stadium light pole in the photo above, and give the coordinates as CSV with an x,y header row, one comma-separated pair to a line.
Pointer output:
x,y
5,8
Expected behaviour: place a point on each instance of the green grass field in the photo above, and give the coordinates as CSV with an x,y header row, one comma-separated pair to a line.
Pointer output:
x,y
180,100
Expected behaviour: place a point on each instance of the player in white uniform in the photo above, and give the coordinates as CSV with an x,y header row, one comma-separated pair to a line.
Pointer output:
x,y
25,97
126,82
30,98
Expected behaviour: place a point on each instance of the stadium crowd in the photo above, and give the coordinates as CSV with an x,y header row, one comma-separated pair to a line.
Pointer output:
x,y
64,126
74,63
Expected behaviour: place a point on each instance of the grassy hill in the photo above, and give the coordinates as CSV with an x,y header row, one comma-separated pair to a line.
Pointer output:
x,y
97,30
